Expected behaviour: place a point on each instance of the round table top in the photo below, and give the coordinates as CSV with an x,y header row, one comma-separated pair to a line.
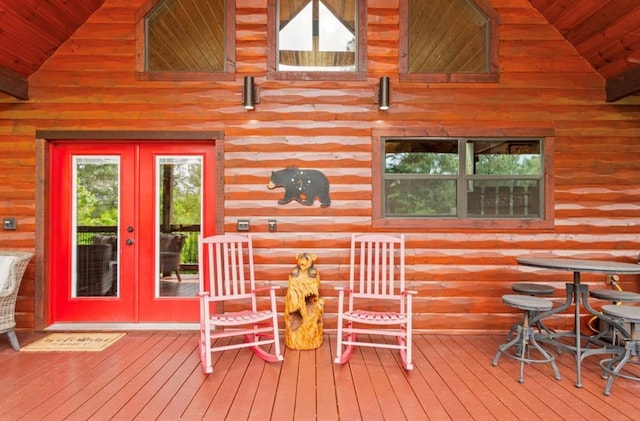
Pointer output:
x,y
580,265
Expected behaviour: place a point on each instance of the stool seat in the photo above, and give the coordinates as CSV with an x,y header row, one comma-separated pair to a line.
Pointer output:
x,y
628,313
615,295
526,302
532,289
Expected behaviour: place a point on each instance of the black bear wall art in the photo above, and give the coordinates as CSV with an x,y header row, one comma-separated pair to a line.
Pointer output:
x,y
301,185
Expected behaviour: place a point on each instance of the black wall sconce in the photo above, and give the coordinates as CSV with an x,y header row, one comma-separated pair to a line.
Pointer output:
x,y
250,94
383,94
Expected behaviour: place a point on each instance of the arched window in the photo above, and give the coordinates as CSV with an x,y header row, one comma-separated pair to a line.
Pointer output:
x,y
317,39
448,41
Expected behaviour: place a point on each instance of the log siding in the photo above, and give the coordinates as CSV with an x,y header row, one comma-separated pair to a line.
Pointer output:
x,y
90,84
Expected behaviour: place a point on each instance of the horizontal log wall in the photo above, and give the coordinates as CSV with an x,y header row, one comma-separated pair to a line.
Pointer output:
x,y
460,275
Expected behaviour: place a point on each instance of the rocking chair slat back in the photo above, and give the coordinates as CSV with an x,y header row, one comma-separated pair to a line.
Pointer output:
x,y
380,262
376,274
229,274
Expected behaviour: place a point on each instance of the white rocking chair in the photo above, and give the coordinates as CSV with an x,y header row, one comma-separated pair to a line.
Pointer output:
x,y
376,278
226,275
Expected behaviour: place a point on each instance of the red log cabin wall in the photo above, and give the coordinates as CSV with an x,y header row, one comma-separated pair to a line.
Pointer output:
x,y
460,274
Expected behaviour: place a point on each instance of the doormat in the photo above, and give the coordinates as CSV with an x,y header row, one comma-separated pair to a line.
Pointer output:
x,y
70,342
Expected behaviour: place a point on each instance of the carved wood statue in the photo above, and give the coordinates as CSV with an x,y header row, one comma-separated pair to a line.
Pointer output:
x,y
303,307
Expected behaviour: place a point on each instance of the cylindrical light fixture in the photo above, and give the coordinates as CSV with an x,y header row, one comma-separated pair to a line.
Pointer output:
x,y
249,93
383,94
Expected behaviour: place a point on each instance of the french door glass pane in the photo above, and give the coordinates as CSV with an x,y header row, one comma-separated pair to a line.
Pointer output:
x,y
95,224
179,216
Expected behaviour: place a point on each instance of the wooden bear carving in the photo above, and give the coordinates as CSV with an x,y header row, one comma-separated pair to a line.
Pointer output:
x,y
303,307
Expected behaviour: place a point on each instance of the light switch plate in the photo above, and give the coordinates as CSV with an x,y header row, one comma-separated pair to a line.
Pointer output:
x,y
9,224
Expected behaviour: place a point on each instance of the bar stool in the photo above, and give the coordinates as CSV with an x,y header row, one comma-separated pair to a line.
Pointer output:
x,y
526,337
613,366
532,289
615,297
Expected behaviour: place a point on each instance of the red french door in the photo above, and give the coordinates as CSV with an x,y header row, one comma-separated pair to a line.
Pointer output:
x,y
124,224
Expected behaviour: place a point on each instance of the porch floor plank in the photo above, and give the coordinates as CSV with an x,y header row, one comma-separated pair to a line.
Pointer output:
x,y
159,372
447,367
507,401
266,392
83,370
459,363
386,395
161,401
345,391
121,392
248,388
327,405
201,401
363,385
223,400
306,408
157,376
285,398
447,397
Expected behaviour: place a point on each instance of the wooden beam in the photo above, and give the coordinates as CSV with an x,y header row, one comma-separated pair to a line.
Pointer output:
x,y
623,84
634,57
129,134
13,84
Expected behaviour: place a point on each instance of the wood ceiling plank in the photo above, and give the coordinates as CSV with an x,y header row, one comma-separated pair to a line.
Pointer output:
x,y
32,30
570,13
620,63
604,17
623,27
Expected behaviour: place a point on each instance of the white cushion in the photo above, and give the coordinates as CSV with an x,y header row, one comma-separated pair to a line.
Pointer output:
x,y
5,267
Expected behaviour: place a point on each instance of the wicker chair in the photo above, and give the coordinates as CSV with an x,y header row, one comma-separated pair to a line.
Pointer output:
x,y
9,294
170,248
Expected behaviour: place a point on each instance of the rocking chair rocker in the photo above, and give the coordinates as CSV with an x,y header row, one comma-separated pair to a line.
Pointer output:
x,y
226,275
378,263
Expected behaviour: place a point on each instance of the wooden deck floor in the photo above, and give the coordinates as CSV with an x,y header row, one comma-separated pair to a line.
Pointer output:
x,y
156,375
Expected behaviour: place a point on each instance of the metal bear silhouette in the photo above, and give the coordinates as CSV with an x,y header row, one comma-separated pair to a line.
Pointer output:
x,y
301,185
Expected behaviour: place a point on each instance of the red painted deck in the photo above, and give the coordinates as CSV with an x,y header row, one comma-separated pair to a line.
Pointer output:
x,y
156,375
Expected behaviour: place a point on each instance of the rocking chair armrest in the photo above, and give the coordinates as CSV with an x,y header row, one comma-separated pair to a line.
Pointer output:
x,y
203,294
409,292
345,289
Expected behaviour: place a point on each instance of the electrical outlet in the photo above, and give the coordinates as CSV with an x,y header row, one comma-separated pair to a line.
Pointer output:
x,y
273,225
243,225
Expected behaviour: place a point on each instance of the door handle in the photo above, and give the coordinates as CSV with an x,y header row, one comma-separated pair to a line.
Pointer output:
x,y
129,241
